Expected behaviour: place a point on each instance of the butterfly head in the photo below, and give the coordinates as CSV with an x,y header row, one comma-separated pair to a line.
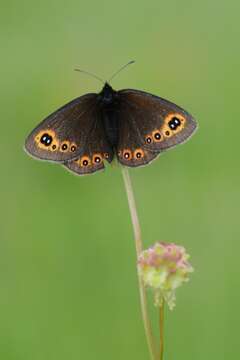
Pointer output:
x,y
107,95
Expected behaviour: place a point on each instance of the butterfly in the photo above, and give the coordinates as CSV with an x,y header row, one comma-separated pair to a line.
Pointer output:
x,y
131,125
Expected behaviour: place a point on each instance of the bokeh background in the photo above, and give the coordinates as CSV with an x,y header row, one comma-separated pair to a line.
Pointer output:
x,y
67,258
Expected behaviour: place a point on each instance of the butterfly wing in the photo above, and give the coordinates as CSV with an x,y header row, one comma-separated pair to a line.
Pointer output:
x,y
95,152
63,134
130,150
149,125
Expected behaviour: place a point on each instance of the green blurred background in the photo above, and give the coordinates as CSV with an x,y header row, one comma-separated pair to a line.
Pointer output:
x,y
67,257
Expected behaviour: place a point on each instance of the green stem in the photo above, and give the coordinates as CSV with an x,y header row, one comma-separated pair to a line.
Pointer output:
x,y
161,320
139,247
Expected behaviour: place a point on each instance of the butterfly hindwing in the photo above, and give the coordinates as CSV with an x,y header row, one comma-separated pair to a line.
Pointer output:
x,y
96,151
158,122
63,134
130,150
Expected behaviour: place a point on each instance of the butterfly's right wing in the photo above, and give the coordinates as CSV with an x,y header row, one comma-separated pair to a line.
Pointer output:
x,y
63,134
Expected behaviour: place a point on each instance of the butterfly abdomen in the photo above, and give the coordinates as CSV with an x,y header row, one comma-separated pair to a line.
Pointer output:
x,y
109,102
111,126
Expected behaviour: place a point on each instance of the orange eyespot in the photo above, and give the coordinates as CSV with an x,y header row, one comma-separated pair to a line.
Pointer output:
x,y
64,147
73,147
157,136
127,154
148,139
174,122
54,146
138,154
97,158
85,161
167,133
46,140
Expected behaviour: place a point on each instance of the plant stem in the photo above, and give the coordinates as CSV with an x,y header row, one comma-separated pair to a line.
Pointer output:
x,y
161,320
139,247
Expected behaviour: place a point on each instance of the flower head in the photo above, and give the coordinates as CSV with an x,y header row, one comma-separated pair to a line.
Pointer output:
x,y
164,267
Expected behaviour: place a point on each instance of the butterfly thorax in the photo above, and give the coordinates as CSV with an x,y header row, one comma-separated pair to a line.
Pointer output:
x,y
107,96
109,101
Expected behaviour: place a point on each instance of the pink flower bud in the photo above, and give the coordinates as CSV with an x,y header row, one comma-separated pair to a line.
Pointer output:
x,y
164,267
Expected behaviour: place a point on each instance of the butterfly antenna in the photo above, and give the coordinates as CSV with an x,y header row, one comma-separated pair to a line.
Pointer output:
x,y
123,67
88,73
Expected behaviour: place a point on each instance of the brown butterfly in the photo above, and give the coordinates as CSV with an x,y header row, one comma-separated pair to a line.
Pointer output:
x,y
131,125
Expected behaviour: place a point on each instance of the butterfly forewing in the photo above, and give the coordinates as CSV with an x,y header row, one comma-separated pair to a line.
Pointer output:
x,y
63,134
159,123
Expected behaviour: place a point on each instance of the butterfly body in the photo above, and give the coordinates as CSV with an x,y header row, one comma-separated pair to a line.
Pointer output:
x,y
132,125
109,103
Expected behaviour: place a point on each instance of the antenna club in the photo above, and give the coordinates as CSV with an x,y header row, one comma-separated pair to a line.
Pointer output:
x,y
123,67
91,74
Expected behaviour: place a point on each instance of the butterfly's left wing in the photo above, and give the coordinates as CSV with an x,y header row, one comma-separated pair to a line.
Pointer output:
x,y
63,134
148,126
96,151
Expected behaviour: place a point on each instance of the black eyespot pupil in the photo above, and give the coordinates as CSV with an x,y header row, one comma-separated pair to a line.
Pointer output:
x,y
46,139
138,155
167,133
73,148
157,136
97,159
126,155
54,147
174,123
85,162
149,140
64,147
